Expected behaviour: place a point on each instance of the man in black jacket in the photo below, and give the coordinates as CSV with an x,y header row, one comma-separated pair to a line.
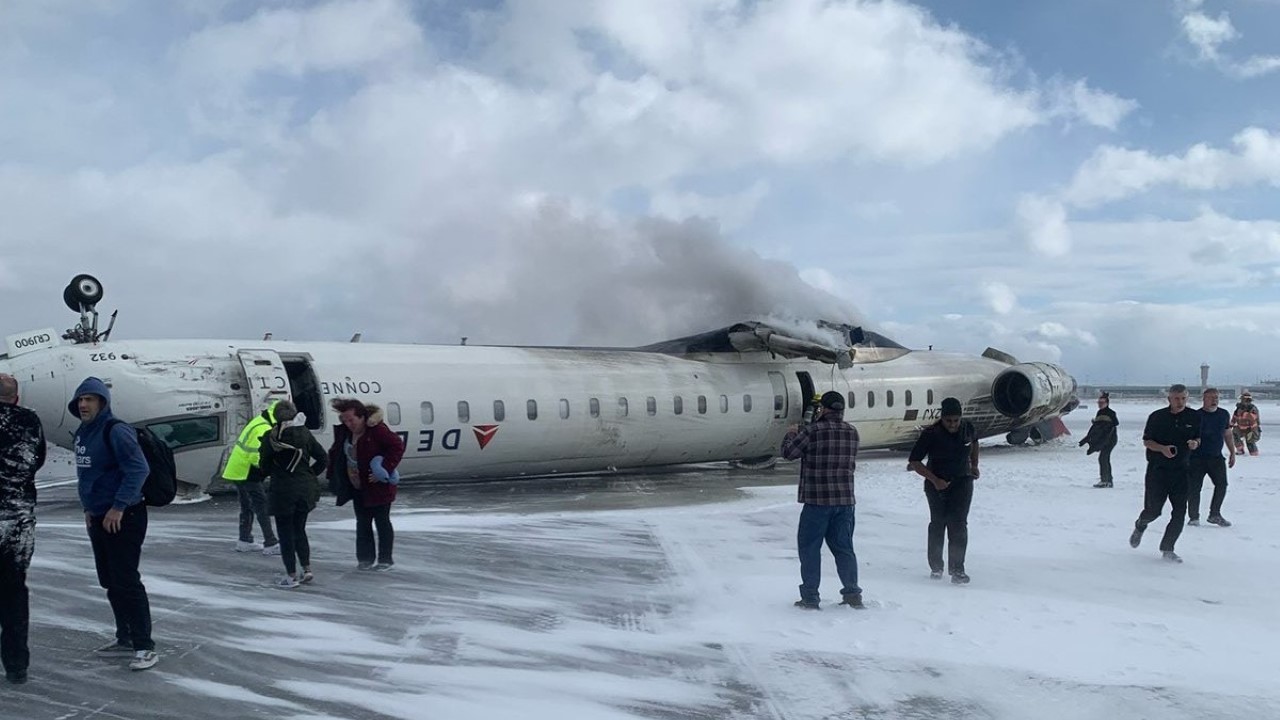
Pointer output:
x,y
1170,435
22,453
1101,438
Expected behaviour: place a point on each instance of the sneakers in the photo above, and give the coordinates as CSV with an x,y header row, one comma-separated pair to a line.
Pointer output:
x,y
384,566
306,577
273,549
364,565
935,574
1195,522
286,581
144,659
17,677
1135,538
115,648
807,606
1219,521
250,546
1102,484
1171,556
959,578
854,600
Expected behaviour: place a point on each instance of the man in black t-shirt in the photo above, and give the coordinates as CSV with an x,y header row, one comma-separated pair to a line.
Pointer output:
x,y
1170,435
951,444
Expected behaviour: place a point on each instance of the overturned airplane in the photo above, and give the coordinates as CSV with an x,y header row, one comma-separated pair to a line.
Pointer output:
x,y
474,411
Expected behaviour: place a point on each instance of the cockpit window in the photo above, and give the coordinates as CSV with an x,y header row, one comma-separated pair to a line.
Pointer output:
x,y
185,432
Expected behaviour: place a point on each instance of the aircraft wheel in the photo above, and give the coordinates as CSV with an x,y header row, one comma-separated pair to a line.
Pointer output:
x,y
1017,437
83,290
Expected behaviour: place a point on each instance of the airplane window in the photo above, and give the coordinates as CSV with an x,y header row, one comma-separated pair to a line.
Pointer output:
x,y
929,398
746,403
651,405
622,407
702,404
871,398
908,398
853,398
464,411
428,413
595,407
888,398
724,403
564,409
188,431
499,411
531,408
679,405
393,413
777,403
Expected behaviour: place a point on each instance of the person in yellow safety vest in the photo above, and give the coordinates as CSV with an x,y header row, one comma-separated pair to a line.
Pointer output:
x,y
243,472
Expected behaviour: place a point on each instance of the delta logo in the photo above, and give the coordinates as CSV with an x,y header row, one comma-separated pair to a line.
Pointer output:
x,y
484,433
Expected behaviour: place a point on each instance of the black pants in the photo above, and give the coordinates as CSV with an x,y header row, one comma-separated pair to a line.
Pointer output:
x,y
366,519
1165,483
15,614
1104,460
116,556
1216,469
291,528
949,519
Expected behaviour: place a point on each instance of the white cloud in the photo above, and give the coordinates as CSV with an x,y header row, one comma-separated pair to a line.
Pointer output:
x,y
731,210
999,297
1076,100
1042,223
1208,35
1114,173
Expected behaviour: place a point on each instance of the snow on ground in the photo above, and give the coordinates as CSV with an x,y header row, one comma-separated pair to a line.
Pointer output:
x,y
675,601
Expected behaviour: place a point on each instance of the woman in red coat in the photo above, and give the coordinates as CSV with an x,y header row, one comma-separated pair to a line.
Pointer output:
x,y
365,452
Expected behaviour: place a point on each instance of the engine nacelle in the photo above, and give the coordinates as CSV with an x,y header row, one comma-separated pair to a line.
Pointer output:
x,y
1032,389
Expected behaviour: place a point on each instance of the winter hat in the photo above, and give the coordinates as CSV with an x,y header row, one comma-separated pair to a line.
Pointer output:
x,y
832,400
950,407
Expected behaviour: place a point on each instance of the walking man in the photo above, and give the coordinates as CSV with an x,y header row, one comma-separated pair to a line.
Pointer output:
x,y
951,444
21,455
1246,425
1215,432
243,471
110,469
1101,438
827,449
1170,435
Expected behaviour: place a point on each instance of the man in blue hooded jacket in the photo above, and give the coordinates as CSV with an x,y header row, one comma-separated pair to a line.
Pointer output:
x,y
111,469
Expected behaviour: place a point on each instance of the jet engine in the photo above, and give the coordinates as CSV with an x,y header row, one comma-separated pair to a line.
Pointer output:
x,y
1033,388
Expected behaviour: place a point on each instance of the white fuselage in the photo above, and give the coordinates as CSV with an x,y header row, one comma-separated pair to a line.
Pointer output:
x,y
488,412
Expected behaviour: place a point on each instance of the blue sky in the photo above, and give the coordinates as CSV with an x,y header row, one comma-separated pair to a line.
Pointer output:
x,y
1091,183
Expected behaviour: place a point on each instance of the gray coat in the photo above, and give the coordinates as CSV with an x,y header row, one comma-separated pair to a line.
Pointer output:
x,y
22,453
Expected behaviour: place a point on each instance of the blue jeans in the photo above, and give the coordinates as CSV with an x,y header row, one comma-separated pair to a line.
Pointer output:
x,y
834,524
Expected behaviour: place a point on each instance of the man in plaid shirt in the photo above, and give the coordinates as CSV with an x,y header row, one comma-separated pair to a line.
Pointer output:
x,y
826,448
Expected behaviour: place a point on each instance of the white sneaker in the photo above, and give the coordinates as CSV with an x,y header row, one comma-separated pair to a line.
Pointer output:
x,y
115,648
271,549
286,581
242,546
144,659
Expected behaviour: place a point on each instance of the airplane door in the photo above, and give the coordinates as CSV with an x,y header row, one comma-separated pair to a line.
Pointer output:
x,y
268,379
779,395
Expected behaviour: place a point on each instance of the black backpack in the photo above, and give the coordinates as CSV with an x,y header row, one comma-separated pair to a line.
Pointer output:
x,y
161,485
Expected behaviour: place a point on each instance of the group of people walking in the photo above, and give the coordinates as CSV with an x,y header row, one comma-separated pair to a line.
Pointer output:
x,y
945,455
275,465
1183,447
